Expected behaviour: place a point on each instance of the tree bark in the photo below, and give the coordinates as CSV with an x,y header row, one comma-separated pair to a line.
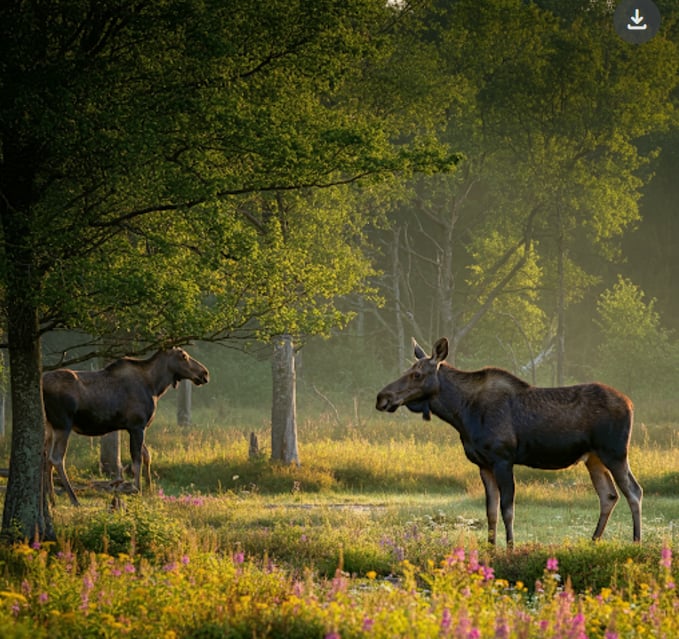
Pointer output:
x,y
184,403
110,463
284,405
26,514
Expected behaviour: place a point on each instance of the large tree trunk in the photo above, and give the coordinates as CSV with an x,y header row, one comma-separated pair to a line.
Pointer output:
x,y
284,405
26,514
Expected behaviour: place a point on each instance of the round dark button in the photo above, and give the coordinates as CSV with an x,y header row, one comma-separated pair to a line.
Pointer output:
x,y
636,21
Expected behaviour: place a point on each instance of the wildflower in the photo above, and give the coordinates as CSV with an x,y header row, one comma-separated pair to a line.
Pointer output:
x,y
457,556
368,624
185,560
501,628
130,569
611,634
666,557
43,597
446,621
238,557
333,635
552,564
488,573
371,574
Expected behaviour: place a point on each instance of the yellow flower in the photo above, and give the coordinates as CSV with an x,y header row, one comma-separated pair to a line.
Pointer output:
x,y
371,574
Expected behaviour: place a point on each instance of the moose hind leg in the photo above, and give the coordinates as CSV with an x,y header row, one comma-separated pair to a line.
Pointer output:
x,y
633,492
605,488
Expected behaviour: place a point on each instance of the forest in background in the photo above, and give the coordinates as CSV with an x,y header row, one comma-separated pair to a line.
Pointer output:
x,y
501,173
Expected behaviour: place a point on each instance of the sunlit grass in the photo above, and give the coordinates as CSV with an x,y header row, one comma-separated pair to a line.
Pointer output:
x,y
362,532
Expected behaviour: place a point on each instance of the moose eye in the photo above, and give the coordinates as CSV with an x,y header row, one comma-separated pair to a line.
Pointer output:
x,y
416,375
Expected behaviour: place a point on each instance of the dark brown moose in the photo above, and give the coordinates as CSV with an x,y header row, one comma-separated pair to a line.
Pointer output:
x,y
504,421
122,396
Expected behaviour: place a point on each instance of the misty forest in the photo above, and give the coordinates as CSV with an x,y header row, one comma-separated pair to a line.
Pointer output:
x,y
293,191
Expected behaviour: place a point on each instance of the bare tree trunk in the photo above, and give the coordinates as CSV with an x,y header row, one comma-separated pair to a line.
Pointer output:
x,y
3,412
560,305
284,405
110,463
184,403
396,278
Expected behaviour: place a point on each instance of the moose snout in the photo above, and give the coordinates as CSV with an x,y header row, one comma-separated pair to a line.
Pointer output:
x,y
203,377
385,402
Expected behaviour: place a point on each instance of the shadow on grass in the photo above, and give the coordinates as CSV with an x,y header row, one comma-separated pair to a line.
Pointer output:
x,y
665,485
265,477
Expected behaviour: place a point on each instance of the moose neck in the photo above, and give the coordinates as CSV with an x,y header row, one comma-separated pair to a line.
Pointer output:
x,y
159,377
451,403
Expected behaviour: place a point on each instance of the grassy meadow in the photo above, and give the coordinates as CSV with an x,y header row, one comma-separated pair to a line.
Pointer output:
x,y
379,533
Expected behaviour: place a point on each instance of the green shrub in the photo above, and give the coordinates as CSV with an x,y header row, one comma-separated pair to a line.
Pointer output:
x,y
141,528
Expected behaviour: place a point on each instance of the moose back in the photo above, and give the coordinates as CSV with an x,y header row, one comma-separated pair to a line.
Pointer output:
x,y
504,421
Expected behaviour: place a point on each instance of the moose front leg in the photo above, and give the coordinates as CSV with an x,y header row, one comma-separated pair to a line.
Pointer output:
x,y
492,502
504,476
136,445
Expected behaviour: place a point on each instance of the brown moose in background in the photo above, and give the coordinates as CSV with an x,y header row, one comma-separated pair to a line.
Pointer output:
x,y
122,396
504,421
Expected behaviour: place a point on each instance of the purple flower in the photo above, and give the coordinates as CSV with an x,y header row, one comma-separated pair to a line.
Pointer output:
x,y
368,624
238,557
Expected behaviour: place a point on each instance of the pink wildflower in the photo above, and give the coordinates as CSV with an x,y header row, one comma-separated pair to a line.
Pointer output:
x,y
368,624
457,556
552,564
666,557
473,561
446,621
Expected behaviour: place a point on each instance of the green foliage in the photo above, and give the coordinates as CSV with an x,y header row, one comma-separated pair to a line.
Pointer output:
x,y
636,353
137,529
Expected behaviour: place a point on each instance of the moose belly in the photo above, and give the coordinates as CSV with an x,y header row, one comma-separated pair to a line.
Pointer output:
x,y
548,456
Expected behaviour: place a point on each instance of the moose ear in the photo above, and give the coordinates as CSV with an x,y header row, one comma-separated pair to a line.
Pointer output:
x,y
419,353
440,350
